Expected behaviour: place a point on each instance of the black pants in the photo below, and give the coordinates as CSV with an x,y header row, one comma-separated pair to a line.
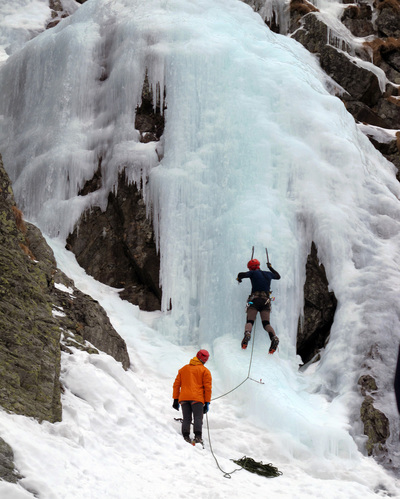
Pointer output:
x,y
190,407
261,305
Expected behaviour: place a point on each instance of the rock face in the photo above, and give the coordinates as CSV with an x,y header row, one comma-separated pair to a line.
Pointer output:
x,y
319,310
31,288
8,472
351,66
30,338
117,246
38,305
80,318
354,66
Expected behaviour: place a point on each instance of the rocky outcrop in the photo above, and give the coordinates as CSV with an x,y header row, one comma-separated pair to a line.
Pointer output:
x,y
319,310
357,60
8,472
376,424
82,321
30,339
117,246
351,63
38,303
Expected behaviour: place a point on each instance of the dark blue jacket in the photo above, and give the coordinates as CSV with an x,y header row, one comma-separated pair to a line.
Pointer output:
x,y
260,279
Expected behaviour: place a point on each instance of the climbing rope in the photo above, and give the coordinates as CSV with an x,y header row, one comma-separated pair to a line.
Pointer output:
x,y
247,463
226,474
267,470
248,373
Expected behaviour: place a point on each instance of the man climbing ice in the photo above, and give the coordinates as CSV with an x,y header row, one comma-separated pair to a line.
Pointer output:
x,y
259,300
192,389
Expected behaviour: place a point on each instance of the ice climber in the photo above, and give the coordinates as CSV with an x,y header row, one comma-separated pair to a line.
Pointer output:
x,y
192,390
259,300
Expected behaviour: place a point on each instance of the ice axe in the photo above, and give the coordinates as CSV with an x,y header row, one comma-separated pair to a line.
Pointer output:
x,y
266,251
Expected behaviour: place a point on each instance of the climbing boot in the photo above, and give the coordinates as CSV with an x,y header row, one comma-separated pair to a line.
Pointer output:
x,y
274,344
246,340
187,439
198,440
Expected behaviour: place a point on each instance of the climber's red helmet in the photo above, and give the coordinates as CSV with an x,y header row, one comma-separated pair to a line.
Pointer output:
x,y
202,355
253,264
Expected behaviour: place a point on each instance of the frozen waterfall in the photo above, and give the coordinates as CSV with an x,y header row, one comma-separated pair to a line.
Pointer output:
x,y
255,152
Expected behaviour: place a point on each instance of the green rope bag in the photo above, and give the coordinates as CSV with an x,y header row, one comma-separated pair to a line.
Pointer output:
x,y
267,470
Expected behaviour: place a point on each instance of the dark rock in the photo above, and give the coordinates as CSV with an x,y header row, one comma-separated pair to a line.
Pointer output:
x,y
388,20
358,19
85,320
393,59
389,110
313,34
361,84
364,114
298,9
319,310
8,472
117,247
149,121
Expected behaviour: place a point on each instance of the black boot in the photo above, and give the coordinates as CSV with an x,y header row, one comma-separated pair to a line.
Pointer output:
x,y
246,339
187,438
198,439
274,344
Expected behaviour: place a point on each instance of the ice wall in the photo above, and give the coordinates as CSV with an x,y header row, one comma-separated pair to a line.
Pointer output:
x,y
256,152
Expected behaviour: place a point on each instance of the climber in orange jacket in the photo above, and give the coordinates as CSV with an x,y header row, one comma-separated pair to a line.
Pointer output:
x,y
192,390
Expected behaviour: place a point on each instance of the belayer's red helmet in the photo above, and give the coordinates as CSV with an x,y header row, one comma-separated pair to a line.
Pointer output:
x,y
253,264
202,355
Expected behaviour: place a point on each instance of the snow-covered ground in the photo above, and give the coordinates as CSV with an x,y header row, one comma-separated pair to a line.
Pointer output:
x,y
118,438
255,152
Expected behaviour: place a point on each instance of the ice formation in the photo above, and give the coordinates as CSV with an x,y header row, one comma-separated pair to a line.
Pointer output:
x,y
255,152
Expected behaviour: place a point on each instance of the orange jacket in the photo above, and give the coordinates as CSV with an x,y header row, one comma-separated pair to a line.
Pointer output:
x,y
193,382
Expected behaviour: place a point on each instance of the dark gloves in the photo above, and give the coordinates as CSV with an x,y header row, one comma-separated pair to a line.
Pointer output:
x,y
175,405
238,279
269,265
206,407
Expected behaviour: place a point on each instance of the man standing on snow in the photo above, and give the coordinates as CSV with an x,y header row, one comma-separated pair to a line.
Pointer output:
x,y
259,300
192,389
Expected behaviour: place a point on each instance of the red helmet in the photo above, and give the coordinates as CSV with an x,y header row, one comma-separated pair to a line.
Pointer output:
x,y
202,355
253,264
